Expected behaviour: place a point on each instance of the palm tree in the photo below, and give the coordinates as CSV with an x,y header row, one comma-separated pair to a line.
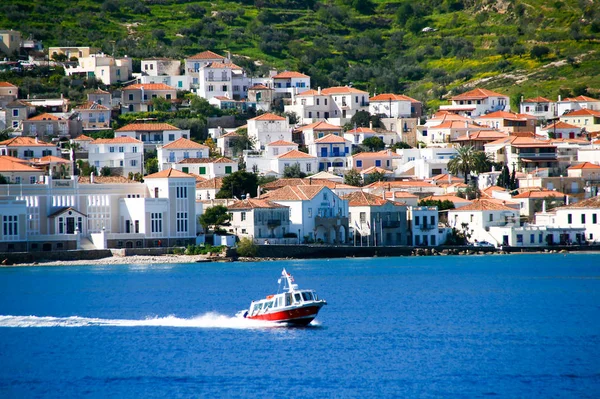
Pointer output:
x,y
463,161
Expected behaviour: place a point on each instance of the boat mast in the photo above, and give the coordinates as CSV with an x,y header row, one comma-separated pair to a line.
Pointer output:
x,y
289,280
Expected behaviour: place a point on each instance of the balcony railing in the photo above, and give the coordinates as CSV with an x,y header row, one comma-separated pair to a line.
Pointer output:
x,y
217,79
537,155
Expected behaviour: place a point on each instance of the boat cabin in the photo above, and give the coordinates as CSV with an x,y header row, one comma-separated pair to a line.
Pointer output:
x,y
282,301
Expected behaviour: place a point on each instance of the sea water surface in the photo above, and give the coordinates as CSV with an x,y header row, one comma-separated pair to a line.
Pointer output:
x,y
516,326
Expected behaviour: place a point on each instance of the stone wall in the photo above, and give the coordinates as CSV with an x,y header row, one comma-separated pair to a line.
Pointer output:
x,y
10,258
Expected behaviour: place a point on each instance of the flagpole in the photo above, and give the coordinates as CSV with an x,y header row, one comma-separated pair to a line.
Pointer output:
x,y
374,233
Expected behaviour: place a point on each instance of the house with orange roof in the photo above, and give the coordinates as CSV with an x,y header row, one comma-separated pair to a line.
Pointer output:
x,y
359,134
587,170
170,154
480,216
332,152
121,154
507,122
587,119
380,221
417,187
27,148
207,167
446,132
478,102
576,222
523,152
153,134
390,105
94,116
316,130
317,214
539,200
108,69
479,138
222,78
196,61
263,161
267,128
138,97
261,220
226,144
336,105
8,93
386,159
53,124
423,226
17,172
457,201
539,107
208,189
560,130
82,142
287,83
567,105
57,167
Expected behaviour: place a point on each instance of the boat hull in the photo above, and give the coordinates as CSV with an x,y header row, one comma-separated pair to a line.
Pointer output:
x,y
301,316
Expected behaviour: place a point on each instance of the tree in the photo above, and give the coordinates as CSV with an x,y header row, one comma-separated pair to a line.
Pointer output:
x,y
360,119
237,184
462,162
400,145
151,165
363,6
442,205
504,178
243,141
247,248
539,52
373,177
215,216
514,183
482,162
105,171
353,178
374,143
293,171
160,104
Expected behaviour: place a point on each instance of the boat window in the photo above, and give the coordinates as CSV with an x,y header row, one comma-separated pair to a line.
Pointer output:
x,y
315,296
297,297
288,299
307,296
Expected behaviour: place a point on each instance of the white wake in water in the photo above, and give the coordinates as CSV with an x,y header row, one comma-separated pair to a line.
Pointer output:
x,y
208,320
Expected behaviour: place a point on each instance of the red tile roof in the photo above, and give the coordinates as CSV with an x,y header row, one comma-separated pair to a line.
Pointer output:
x,y
222,65
375,169
360,130
281,143
7,84
453,198
319,126
268,117
45,117
501,115
392,97
289,75
585,165
25,142
259,86
254,203
580,99
295,154
537,100
485,205
561,125
117,140
182,143
9,165
482,135
378,154
361,198
593,203
330,139
214,183
83,137
539,194
293,193
50,159
342,90
206,55
582,112
477,94
92,105
206,160
167,173
149,86
147,127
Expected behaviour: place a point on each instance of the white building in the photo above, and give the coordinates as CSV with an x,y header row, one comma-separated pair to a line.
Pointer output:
x,y
260,220
288,83
581,215
337,105
332,152
222,79
108,69
577,103
27,148
178,150
317,130
138,97
316,212
424,163
478,102
94,116
160,67
207,168
122,154
153,134
540,107
267,128
423,226
395,106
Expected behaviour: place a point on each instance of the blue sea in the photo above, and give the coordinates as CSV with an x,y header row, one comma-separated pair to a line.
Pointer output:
x,y
514,326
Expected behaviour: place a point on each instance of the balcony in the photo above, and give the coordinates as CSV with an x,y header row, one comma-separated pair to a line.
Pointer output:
x,y
217,79
272,223
537,155
391,224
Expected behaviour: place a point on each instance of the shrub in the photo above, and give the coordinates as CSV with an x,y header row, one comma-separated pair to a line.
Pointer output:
x,y
247,248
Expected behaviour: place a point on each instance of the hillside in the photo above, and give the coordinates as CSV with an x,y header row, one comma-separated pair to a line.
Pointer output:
x,y
529,47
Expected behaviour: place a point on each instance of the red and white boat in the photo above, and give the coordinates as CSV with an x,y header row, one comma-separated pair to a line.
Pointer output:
x,y
292,306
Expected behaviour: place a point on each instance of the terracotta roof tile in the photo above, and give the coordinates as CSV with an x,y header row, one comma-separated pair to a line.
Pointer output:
x,y
45,117
452,198
360,130
254,203
477,94
206,160
206,55
582,112
25,142
375,169
50,159
106,180
289,75
281,143
183,143
168,173
7,84
9,165
485,205
593,202
482,135
331,139
537,100
561,125
259,86
361,198
580,99
92,105
148,127
83,137
295,154
585,165
222,65
214,183
293,193
392,97
342,90
149,86
268,117
319,126
539,194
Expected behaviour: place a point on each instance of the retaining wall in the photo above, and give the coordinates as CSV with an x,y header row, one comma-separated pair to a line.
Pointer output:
x,y
31,257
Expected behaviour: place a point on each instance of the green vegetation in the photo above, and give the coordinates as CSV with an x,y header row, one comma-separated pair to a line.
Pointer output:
x,y
204,249
442,205
215,216
428,50
238,184
247,248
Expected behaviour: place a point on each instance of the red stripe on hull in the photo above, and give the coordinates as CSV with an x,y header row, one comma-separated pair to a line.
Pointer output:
x,y
302,316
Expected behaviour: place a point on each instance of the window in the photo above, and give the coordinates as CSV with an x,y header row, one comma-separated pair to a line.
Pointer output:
x,y
131,97
594,218
121,149
134,149
133,162
10,225
583,218
417,220
432,219
31,179
18,180
491,217
519,238
317,101
111,149
359,164
202,170
182,222
15,112
227,170
28,154
569,218
181,192
168,96
532,238
171,137
309,212
308,167
378,163
186,154
224,88
243,216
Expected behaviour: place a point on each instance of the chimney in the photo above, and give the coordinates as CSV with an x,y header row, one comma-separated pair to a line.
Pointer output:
x,y
319,90
370,124
544,206
468,135
522,98
248,196
466,124
559,98
258,192
567,202
92,178
310,181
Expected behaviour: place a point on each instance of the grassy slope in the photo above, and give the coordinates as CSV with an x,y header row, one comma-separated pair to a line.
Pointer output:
x,y
87,22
